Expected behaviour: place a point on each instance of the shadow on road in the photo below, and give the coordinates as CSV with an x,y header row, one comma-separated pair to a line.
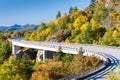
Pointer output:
x,y
112,65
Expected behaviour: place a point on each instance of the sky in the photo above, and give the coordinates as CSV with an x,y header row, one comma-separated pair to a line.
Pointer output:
x,y
35,11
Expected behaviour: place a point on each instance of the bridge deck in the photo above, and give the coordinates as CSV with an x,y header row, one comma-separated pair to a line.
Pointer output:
x,y
51,46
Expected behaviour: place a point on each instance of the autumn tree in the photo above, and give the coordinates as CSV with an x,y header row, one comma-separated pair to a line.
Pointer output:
x,y
12,70
79,21
27,35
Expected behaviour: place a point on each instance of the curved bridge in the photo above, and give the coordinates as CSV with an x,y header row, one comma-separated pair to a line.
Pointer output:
x,y
113,53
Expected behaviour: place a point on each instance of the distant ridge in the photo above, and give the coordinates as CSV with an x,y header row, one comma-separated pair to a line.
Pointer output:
x,y
17,27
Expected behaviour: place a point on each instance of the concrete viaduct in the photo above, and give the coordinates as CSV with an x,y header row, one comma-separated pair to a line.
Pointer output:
x,y
112,53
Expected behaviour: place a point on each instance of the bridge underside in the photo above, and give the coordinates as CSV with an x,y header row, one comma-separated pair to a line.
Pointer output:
x,y
41,53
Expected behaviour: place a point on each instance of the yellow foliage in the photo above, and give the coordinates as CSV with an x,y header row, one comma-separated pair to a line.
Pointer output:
x,y
94,25
118,27
108,35
67,41
57,20
116,33
84,26
77,39
47,31
75,14
114,16
33,36
79,21
70,26
116,36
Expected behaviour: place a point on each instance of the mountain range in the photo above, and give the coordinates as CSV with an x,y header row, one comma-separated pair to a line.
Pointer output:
x,y
17,27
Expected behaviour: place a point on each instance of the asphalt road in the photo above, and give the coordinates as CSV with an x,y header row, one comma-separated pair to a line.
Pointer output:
x,y
111,52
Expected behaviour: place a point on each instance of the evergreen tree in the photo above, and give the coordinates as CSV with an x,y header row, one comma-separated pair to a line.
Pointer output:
x,y
87,37
75,8
5,51
58,15
28,63
93,2
81,51
70,10
59,54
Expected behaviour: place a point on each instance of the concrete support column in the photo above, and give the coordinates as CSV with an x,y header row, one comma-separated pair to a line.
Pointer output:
x,y
44,55
15,49
39,55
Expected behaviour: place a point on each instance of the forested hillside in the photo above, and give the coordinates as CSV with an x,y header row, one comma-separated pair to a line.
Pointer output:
x,y
99,23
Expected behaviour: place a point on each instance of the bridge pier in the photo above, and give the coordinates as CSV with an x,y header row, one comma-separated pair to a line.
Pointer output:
x,y
15,49
43,54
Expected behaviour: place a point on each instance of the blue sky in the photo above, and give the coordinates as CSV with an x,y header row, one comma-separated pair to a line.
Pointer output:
x,y
35,11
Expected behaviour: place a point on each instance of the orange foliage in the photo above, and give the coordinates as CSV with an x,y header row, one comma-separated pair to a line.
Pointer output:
x,y
53,70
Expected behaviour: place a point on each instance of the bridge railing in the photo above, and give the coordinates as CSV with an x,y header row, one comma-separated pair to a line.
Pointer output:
x,y
106,46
